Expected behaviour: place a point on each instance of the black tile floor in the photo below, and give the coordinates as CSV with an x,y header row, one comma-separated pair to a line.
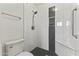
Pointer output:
x,y
42,52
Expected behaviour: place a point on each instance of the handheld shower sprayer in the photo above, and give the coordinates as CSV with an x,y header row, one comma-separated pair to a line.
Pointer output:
x,y
34,13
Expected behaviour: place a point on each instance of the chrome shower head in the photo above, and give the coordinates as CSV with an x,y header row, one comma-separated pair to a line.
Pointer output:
x,y
35,12
75,9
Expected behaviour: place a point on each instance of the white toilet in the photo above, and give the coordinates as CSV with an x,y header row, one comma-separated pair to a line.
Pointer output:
x,y
16,48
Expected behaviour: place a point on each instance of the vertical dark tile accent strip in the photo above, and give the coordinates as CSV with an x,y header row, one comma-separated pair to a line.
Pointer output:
x,y
52,29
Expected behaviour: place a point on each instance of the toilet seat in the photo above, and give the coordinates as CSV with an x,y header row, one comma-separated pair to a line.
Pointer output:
x,y
25,54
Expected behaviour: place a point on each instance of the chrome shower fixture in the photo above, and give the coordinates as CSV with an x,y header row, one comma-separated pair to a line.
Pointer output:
x,y
75,9
34,13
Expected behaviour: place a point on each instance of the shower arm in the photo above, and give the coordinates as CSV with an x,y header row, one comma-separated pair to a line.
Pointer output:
x,y
73,11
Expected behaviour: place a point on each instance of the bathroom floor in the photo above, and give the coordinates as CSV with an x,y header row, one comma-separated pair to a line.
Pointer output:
x,y
42,52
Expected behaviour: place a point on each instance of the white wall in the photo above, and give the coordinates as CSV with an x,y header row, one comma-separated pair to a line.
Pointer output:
x,y
43,24
32,37
10,27
40,36
64,38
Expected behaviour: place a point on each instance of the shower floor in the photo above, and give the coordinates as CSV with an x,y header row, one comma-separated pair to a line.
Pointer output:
x,y
42,52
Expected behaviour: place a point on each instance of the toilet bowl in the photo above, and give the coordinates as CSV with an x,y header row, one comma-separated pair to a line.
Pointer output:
x,y
16,48
25,54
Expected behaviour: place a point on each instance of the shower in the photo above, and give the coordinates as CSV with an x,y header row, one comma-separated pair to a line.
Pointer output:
x,y
34,13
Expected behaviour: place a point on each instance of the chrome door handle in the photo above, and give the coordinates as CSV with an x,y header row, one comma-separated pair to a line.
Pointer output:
x,y
73,34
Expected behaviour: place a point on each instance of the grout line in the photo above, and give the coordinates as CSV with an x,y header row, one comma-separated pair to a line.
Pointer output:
x,y
23,20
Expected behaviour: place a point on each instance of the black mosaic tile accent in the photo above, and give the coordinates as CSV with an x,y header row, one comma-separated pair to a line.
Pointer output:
x,y
42,52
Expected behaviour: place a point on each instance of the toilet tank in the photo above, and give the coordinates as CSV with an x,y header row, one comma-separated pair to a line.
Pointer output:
x,y
14,47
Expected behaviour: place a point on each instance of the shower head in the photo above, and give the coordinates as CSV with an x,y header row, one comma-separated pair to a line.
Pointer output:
x,y
75,9
35,12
